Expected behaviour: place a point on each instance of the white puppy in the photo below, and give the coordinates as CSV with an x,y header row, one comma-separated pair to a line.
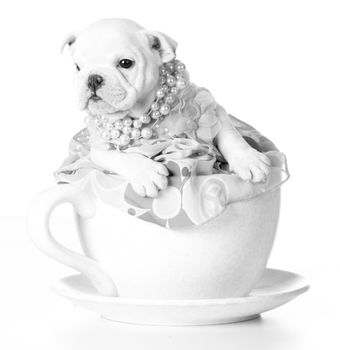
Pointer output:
x,y
118,70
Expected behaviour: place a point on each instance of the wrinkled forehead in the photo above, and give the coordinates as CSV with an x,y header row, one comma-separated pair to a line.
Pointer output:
x,y
105,46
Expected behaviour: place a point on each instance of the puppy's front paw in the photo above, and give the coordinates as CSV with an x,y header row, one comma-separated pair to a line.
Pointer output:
x,y
250,165
149,178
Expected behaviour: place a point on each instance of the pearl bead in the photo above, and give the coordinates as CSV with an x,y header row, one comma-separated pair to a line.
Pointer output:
x,y
181,84
137,123
170,66
106,135
171,81
127,121
135,133
162,80
119,124
164,109
180,67
165,88
154,106
160,93
124,140
163,70
145,119
146,133
174,90
155,114
115,133
127,130
108,126
179,76
170,99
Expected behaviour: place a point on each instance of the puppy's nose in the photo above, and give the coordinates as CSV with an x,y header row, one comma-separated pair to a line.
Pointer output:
x,y
94,82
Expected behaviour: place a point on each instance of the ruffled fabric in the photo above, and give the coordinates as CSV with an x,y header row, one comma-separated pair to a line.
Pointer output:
x,y
200,185
192,116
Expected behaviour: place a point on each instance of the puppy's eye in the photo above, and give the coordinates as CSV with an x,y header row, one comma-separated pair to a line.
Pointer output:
x,y
126,63
77,67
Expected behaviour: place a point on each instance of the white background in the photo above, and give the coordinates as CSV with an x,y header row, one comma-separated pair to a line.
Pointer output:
x,y
274,64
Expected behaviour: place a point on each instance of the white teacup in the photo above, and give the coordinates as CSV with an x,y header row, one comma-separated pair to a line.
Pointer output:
x,y
132,258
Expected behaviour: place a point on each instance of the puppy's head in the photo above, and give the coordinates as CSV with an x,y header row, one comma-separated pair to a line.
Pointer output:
x,y
117,64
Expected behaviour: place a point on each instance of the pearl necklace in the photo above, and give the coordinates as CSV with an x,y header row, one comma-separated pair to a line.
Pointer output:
x,y
123,132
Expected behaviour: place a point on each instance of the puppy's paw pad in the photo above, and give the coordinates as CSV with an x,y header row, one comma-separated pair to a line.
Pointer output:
x,y
258,175
149,178
251,165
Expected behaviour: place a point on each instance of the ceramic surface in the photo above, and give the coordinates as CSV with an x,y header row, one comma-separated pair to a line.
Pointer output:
x,y
274,289
133,258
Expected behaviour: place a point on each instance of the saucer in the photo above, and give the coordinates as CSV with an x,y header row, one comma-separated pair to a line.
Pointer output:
x,y
275,288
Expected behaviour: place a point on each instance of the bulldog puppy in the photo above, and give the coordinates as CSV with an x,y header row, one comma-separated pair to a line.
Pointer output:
x,y
117,74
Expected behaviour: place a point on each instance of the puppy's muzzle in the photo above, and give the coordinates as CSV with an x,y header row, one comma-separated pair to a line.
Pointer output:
x,y
94,82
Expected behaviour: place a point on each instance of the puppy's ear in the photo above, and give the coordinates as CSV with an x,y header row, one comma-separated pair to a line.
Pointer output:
x,y
162,43
69,40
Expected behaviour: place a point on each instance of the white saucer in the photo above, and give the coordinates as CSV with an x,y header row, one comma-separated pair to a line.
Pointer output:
x,y
275,288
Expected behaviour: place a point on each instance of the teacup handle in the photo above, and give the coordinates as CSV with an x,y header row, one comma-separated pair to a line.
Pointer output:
x,y
38,222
